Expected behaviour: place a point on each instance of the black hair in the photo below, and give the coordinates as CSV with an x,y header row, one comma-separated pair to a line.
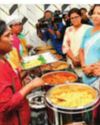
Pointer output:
x,y
3,27
92,9
83,9
48,11
74,10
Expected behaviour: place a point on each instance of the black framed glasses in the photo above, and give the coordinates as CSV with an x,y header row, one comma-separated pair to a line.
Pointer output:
x,y
76,17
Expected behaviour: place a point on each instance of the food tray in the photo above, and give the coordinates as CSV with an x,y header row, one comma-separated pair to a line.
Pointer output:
x,y
30,62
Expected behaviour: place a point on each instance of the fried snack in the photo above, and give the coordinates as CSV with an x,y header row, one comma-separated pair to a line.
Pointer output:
x,y
59,65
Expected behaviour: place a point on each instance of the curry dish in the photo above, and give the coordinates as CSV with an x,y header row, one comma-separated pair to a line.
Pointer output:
x,y
72,96
59,77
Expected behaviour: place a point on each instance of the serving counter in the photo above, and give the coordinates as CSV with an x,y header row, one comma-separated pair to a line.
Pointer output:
x,y
39,104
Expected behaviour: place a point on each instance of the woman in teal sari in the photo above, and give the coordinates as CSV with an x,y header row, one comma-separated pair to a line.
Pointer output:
x,y
90,50
90,56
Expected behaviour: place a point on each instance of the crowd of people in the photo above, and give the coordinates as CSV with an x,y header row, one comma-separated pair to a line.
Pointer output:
x,y
77,39
70,38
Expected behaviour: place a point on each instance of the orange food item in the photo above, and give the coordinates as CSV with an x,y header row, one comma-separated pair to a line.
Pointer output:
x,y
59,77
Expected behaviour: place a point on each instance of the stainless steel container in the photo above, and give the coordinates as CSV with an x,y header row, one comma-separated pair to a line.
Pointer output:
x,y
84,115
37,106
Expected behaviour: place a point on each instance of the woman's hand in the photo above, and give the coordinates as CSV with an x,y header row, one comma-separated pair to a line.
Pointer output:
x,y
76,62
96,69
93,69
37,82
96,72
88,70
